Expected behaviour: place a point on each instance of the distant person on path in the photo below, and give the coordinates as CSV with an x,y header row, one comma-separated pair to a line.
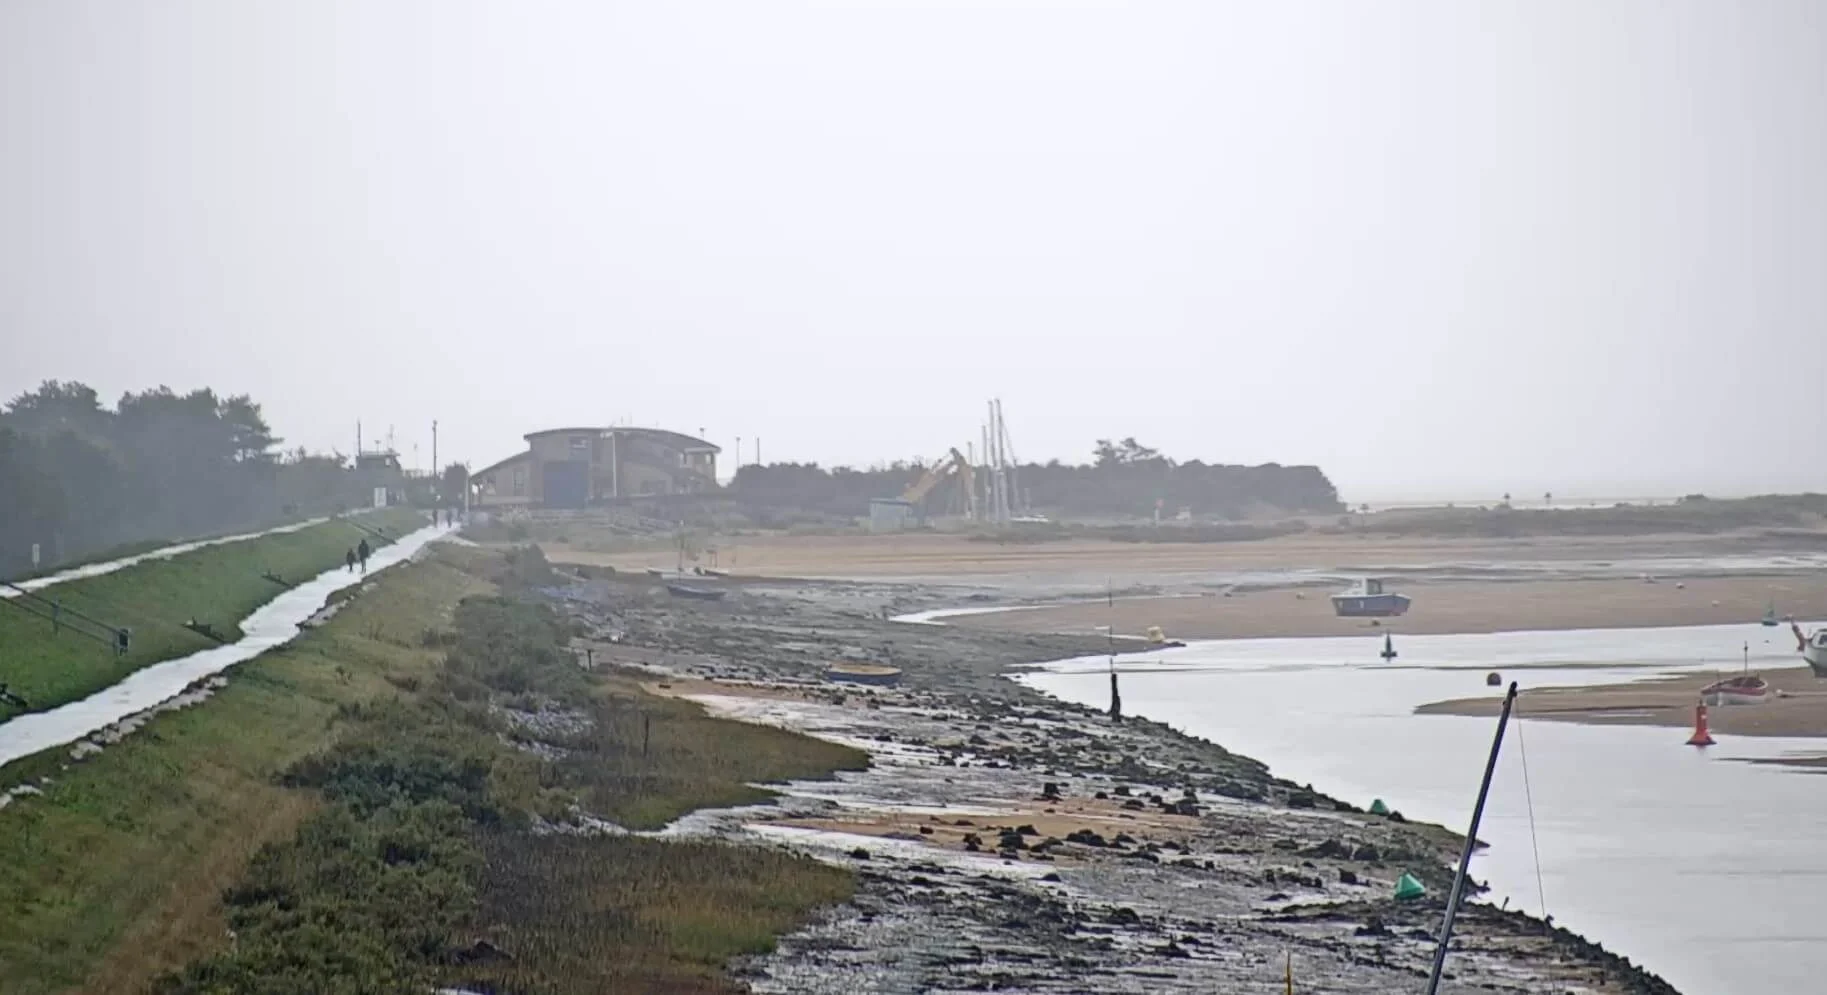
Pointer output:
x,y
349,560
361,553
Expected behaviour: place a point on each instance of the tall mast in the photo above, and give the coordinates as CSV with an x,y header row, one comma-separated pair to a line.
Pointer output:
x,y
1010,461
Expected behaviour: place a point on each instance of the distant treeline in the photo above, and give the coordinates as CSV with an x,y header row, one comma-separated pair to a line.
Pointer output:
x,y
1804,513
77,477
1124,479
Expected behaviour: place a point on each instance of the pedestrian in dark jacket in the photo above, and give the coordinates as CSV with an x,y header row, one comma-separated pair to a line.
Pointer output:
x,y
361,553
349,560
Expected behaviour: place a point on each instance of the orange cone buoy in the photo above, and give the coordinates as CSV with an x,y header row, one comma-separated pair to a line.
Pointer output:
x,y
1701,736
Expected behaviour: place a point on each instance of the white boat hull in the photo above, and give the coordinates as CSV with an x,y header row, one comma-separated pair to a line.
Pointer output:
x,y
1814,653
1715,699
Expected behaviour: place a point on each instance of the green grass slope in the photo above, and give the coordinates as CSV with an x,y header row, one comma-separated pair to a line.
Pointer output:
x,y
218,585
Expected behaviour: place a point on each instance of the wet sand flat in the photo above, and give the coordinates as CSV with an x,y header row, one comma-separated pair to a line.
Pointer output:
x,y
1454,607
1800,709
933,555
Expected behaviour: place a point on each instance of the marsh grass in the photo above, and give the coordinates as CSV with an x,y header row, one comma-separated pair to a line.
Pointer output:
x,y
583,915
424,844
648,760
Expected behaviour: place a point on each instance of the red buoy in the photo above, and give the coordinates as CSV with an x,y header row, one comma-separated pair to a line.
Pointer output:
x,y
1701,736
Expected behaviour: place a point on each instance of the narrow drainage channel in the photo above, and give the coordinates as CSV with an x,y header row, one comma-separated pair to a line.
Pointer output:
x,y
272,624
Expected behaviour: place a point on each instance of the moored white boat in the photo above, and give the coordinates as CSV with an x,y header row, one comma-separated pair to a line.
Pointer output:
x,y
1367,599
1813,649
1745,689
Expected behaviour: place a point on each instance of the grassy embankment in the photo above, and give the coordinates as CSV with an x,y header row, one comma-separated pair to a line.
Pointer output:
x,y
350,808
217,585
139,546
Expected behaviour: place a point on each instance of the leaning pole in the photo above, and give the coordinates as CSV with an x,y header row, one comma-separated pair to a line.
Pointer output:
x,y
1471,842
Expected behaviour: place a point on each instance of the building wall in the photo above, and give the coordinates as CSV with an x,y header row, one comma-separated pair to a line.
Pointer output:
x,y
890,515
509,483
641,480
634,462
578,445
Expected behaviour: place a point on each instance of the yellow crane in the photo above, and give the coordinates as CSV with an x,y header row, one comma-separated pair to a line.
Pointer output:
x,y
952,465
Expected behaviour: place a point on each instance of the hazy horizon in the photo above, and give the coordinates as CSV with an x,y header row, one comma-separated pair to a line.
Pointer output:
x,y
1442,250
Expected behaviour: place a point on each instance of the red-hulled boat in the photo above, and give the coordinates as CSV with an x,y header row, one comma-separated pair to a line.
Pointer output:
x,y
1745,689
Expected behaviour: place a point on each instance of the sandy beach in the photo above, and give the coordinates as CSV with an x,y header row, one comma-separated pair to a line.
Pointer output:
x,y
936,555
1439,607
1800,708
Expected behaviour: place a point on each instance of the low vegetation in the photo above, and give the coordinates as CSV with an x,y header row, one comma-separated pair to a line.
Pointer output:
x,y
1694,514
382,829
216,585
607,914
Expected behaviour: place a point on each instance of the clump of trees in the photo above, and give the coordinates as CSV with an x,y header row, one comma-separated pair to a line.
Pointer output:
x,y
1124,477
78,477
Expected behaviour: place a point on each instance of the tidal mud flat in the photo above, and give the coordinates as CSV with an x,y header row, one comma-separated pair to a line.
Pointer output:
x,y
1006,841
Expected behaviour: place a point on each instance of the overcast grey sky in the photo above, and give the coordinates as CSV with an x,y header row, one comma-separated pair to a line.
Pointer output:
x,y
1439,248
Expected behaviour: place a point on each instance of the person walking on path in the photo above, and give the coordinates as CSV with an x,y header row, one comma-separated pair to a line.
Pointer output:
x,y
361,553
349,560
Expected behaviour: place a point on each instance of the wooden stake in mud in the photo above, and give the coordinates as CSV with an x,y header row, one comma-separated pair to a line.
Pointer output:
x,y
1116,697
1471,841
646,732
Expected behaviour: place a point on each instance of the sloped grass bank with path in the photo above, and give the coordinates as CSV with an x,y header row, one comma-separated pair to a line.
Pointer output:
x,y
357,813
216,585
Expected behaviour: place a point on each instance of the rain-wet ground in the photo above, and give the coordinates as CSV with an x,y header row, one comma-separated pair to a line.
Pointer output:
x,y
1196,871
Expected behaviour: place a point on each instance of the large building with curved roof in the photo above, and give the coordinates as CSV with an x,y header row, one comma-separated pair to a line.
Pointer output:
x,y
577,467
